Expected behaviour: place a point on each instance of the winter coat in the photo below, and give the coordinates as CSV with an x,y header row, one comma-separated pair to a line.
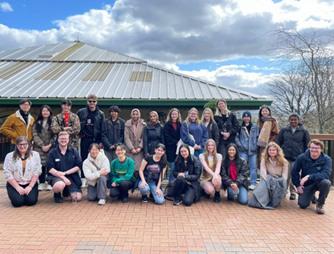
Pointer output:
x,y
242,173
213,131
112,132
274,130
231,125
293,144
153,135
171,137
91,172
44,138
131,143
194,173
58,125
317,170
247,144
15,127
98,121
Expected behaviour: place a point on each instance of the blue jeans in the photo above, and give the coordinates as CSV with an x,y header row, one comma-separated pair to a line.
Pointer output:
x,y
171,177
242,194
152,187
197,153
251,159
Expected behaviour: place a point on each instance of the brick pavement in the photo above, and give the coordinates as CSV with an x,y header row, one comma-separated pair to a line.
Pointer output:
x,y
136,227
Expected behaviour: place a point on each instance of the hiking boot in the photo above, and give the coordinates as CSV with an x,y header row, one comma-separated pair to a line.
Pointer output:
x,y
177,201
292,196
320,209
144,199
217,197
57,197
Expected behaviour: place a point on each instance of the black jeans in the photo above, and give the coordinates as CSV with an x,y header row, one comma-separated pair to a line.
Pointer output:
x,y
21,200
323,186
122,190
41,178
180,187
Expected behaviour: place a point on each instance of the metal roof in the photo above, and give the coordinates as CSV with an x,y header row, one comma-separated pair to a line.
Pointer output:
x,y
75,69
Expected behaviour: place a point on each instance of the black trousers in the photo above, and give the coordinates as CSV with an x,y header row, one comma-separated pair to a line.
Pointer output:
x,y
21,200
323,186
41,178
122,190
84,146
180,187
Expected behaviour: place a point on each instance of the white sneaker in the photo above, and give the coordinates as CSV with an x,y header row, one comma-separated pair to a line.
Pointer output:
x,y
252,187
102,201
83,182
49,188
41,186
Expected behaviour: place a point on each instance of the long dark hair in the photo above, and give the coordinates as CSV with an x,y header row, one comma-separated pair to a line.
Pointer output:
x,y
227,161
163,158
180,160
17,154
39,120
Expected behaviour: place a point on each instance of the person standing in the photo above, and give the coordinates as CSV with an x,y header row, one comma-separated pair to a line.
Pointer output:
x,y
210,123
227,124
22,168
246,140
153,134
19,124
43,140
172,137
112,132
293,139
63,164
311,173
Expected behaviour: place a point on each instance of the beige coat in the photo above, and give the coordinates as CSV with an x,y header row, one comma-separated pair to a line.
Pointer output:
x,y
132,143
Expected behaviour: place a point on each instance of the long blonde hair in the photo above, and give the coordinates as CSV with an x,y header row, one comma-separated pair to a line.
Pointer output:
x,y
169,116
198,121
214,153
211,115
226,111
280,155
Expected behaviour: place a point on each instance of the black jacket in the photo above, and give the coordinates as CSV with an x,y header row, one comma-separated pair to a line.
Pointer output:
x,y
293,144
98,121
213,131
112,132
231,125
194,173
242,173
153,135
171,137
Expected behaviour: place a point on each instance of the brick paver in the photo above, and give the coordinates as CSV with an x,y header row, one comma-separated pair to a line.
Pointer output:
x,y
136,227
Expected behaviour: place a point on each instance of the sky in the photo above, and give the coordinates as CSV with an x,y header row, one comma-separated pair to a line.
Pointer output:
x,y
226,42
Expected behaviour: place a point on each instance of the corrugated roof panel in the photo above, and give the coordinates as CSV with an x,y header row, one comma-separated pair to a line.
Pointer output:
x,y
96,53
188,88
179,87
156,86
205,90
99,72
55,71
6,53
197,89
6,64
81,53
68,52
54,51
21,53
36,53
137,90
14,69
120,81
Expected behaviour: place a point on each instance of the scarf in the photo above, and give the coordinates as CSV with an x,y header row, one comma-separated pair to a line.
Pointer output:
x,y
265,131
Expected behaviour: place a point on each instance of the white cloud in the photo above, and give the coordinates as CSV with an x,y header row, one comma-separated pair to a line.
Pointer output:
x,y
5,7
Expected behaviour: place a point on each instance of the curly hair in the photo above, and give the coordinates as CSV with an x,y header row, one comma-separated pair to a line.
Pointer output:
x,y
279,157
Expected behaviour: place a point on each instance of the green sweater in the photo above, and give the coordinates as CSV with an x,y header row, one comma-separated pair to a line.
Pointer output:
x,y
120,172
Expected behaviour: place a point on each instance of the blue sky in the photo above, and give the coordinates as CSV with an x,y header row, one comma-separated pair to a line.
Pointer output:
x,y
223,41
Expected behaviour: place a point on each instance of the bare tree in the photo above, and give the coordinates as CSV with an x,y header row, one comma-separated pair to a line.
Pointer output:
x,y
306,86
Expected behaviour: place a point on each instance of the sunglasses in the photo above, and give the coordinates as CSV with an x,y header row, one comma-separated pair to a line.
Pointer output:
x,y
92,101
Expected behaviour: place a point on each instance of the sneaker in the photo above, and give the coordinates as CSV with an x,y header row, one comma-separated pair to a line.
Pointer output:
x,y
125,200
292,196
177,201
49,188
102,201
251,187
217,197
144,199
314,200
41,186
83,182
320,209
57,197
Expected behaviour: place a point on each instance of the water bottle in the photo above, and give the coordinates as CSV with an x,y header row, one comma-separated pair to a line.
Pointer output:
x,y
74,196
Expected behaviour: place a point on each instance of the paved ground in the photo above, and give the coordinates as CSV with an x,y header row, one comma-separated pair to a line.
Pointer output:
x,y
138,227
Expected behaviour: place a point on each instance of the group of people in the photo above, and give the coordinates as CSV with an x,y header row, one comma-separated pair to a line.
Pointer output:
x,y
205,155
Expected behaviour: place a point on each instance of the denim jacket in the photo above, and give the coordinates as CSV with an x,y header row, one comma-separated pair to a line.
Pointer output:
x,y
245,143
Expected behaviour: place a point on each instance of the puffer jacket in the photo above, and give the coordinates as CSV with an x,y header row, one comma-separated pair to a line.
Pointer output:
x,y
247,144
231,125
293,144
91,172
153,135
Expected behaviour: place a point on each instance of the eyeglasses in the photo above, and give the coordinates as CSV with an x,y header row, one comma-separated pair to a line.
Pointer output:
x,y
22,145
25,105
314,148
92,101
